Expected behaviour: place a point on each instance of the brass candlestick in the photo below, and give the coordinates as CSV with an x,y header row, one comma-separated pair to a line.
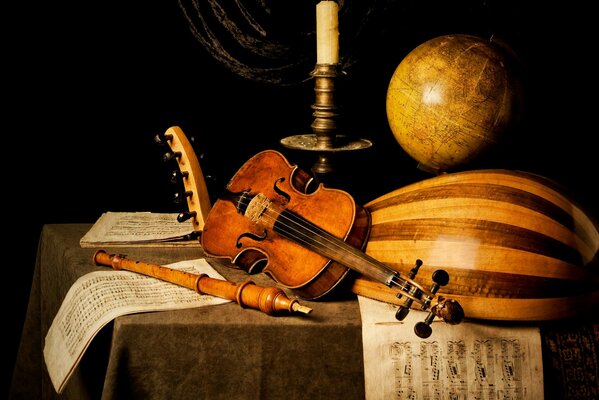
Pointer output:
x,y
325,139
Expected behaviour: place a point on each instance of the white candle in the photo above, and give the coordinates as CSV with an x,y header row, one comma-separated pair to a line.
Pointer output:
x,y
327,32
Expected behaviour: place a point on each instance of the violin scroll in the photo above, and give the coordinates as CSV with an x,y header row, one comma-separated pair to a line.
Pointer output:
x,y
447,309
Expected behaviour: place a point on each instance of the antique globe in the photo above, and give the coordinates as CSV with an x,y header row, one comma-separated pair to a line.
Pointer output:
x,y
452,99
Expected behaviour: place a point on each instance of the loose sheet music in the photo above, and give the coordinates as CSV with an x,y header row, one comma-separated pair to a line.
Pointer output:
x,y
465,361
97,298
138,229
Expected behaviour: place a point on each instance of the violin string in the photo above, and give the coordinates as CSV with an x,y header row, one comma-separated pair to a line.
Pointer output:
x,y
274,215
396,280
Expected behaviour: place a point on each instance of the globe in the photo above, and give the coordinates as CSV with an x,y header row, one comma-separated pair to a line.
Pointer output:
x,y
452,99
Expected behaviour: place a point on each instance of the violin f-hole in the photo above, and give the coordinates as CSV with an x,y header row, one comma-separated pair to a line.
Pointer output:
x,y
280,191
252,236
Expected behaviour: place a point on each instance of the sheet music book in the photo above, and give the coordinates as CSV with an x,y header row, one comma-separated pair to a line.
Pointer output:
x,y
97,298
132,229
465,361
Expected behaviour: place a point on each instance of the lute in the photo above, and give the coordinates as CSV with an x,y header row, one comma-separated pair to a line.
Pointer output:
x,y
516,244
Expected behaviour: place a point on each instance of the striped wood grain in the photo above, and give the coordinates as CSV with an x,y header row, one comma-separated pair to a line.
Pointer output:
x,y
515,245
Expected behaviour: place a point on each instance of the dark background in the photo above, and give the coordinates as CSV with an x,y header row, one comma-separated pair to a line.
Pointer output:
x,y
88,85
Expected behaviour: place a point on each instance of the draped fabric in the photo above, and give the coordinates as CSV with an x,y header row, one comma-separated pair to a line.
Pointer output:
x,y
274,41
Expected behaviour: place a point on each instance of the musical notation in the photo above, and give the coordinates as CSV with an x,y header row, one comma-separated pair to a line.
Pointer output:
x,y
98,297
470,361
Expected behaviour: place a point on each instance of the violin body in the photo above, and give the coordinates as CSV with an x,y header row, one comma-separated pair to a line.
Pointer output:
x,y
515,246
252,247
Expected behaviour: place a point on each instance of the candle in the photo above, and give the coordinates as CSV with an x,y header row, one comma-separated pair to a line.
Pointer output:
x,y
327,32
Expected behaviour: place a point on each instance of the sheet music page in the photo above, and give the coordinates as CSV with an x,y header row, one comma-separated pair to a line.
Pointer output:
x,y
97,298
138,228
464,361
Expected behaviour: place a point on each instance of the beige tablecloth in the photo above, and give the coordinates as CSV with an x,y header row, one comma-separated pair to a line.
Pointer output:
x,y
217,352
225,352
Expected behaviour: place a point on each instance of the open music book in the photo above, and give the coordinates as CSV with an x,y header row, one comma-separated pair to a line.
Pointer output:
x,y
120,229
473,360
98,297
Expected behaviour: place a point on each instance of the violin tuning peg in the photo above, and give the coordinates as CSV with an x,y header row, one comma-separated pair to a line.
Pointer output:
x,y
403,311
415,269
440,278
423,330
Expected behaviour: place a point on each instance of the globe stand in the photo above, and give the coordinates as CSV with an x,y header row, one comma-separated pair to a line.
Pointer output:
x,y
325,139
430,170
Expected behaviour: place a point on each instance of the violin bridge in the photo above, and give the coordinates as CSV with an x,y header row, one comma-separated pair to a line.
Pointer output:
x,y
256,208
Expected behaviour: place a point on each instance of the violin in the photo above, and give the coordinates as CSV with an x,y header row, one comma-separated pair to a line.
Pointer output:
x,y
307,242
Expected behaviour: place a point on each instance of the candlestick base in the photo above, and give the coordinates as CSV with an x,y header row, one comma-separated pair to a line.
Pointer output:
x,y
324,170
310,142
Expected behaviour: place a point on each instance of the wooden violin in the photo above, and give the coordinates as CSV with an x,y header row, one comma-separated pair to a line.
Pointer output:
x,y
307,242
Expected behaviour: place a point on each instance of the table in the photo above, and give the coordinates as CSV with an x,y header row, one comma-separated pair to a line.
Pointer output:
x,y
221,351
226,352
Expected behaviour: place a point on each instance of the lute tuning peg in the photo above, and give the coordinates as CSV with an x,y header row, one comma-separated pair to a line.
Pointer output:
x,y
185,215
179,197
177,175
162,138
171,155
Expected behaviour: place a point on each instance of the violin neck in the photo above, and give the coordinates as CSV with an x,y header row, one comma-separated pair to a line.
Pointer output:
x,y
314,238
